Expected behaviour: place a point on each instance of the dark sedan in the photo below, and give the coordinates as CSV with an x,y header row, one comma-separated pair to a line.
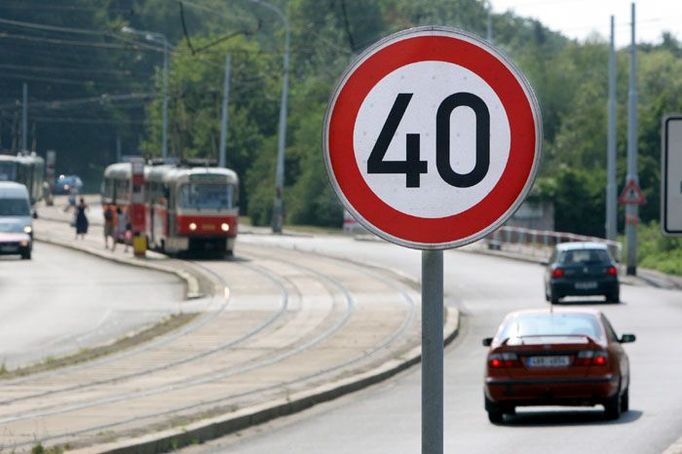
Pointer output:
x,y
581,269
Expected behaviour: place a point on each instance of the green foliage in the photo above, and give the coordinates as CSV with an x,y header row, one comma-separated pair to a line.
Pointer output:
x,y
578,196
657,251
569,78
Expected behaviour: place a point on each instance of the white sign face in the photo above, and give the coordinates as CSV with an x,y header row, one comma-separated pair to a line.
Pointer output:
x,y
432,138
671,177
431,82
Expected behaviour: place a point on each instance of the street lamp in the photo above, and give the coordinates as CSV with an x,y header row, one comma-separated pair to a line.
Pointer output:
x,y
159,38
278,205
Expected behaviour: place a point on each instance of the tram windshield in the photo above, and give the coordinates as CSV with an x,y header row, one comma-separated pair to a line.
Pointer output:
x,y
8,171
204,196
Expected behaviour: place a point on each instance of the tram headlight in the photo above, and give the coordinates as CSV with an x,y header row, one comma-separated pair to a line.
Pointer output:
x,y
192,226
225,227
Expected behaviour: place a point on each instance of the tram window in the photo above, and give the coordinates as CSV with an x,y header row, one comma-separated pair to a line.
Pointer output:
x,y
8,171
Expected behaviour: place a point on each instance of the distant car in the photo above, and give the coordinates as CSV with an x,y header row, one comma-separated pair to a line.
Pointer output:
x,y
580,269
16,223
66,184
556,357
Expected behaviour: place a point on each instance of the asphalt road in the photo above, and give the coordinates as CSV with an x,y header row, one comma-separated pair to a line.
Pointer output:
x,y
63,300
386,418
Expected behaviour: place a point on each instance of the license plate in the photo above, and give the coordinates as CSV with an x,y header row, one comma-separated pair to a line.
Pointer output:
x,y
8,248
590,285
208,226
548,361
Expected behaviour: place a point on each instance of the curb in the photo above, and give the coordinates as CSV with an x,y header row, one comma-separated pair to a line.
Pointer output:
x,y
208,429
192,290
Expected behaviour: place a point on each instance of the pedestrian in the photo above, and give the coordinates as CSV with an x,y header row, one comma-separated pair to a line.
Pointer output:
x,y
81,219
128,236
120,229
108,225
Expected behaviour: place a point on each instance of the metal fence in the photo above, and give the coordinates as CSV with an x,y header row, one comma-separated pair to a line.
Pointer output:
x,y
540,243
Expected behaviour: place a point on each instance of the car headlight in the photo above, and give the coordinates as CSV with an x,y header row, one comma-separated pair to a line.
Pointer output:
x,y
225,227
28,229
192,226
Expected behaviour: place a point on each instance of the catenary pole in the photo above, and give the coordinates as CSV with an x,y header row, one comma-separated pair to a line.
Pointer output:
x,y
632,210
489,31
24,120
611,207
278,207
222,160
164,133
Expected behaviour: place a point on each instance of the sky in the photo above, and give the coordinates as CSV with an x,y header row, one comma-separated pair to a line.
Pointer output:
x,y
579,18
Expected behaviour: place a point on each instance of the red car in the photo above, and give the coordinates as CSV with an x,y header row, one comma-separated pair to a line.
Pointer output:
x,y
556,357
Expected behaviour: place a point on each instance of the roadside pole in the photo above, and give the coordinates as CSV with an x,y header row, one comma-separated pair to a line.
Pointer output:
x,y
611,195
24,120
632,209
222,159
432,351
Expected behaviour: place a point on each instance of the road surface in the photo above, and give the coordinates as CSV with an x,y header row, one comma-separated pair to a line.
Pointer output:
x,y
61,301
386,418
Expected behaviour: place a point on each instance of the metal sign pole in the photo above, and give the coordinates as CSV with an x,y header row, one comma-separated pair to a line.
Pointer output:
x,y
432,352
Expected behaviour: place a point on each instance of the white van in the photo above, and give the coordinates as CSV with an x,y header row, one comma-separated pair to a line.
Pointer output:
x,y
16,222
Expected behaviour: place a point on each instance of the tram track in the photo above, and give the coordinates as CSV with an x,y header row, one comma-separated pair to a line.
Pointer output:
x,y
333,285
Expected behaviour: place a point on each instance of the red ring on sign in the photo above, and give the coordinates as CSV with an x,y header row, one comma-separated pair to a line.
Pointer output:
x,y
516,172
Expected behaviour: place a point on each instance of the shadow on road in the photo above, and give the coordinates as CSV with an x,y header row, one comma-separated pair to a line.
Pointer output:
x,y
568,418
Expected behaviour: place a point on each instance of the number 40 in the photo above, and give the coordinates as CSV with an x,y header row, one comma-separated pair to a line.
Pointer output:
x,y
412,166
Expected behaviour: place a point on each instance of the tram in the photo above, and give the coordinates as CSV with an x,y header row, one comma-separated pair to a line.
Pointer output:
x,y
187,208
27,169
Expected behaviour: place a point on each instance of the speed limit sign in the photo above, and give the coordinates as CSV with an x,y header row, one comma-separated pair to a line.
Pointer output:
x,y
432,138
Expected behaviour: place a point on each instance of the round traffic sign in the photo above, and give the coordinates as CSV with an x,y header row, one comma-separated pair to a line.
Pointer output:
x,y
432,138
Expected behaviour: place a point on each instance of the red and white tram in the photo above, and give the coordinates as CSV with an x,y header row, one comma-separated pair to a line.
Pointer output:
x,y
186,208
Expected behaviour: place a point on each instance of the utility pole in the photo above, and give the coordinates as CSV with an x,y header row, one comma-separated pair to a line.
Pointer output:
x,y
24,121
632,210
118,147
222,159
489,34
278,206
611,207
164,133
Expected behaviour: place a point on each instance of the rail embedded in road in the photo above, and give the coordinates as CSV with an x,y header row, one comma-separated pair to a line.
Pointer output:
x,y
292,321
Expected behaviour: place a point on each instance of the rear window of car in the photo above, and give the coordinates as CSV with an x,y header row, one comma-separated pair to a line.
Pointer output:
x,y
551,325
583,256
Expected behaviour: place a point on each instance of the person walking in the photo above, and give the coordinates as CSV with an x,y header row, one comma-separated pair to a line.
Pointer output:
x,y
109,223
81,219
121,228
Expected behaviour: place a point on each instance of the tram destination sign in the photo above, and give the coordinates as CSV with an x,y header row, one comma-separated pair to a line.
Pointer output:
x,y
432,138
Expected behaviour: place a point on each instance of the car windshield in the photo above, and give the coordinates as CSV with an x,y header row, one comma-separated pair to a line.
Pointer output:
x,y
14,207
551,324
206,196
582,256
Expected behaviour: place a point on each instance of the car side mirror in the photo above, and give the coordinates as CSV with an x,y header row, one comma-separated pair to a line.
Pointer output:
x,y
35,214
487,342
627,338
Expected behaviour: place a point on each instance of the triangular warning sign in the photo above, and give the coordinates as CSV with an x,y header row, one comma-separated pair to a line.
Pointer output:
x,y
632,194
